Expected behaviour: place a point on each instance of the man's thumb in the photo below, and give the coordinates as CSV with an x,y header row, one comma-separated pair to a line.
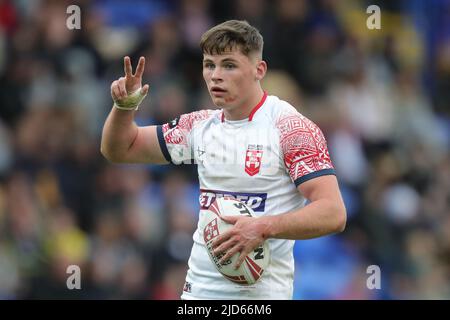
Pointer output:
x,y
144,90
230,219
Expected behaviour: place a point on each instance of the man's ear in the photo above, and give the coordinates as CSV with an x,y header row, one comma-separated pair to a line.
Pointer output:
x,y
261,69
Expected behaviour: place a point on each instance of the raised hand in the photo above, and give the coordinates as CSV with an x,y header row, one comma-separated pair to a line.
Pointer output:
x,y
127,92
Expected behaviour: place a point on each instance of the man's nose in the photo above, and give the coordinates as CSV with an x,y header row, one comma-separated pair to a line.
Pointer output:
x,y
216,75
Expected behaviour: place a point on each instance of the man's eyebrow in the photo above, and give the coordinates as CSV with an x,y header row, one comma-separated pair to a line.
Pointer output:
x,y
229,60
224,60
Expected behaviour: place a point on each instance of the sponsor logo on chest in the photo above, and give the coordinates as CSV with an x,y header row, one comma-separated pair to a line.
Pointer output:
x,y
256,201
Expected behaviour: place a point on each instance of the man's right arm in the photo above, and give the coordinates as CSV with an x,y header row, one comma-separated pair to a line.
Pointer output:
x,y
122,140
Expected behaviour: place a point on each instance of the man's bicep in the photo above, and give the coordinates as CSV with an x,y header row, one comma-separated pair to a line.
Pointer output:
x,y
322,187
146,147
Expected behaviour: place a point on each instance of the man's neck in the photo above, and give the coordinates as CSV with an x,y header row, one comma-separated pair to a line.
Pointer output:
x,y
243,111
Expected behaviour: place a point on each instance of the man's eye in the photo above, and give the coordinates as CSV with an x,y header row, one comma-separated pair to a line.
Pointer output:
x,y
229,66
209,66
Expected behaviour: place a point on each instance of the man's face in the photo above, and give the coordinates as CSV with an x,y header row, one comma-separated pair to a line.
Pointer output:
x,y
230,77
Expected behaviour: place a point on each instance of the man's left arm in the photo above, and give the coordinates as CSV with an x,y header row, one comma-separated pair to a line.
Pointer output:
x,y
325,214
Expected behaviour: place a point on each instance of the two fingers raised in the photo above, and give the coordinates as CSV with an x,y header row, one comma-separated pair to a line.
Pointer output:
x,y
129,70
130,82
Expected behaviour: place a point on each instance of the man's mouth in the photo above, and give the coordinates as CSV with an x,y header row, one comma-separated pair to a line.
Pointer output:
x,y
217,90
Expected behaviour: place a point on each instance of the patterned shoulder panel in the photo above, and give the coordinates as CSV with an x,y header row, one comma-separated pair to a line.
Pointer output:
x,y
177,130
303,145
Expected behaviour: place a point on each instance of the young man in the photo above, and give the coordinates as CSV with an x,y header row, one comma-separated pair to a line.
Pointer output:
x,y
257,148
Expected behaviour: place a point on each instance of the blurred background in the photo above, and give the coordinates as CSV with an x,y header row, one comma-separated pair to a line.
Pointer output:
x,y
381,97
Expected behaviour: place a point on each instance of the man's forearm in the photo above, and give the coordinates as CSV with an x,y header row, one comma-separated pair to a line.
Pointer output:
x,y
317,219
119,133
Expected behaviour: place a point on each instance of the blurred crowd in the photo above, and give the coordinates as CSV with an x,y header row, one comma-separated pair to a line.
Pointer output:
x,y
381,97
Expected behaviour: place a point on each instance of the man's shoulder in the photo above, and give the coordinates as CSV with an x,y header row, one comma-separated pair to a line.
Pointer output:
x,y
188,121
280,108
288,119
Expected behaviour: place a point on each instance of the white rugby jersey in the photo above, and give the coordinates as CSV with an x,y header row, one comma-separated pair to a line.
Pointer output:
x,y
260,161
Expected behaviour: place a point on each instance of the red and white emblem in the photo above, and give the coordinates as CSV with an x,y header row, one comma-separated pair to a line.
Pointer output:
x,y
253,157
211,230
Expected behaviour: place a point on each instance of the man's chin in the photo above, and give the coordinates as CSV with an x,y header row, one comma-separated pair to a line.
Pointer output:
x,y
219,102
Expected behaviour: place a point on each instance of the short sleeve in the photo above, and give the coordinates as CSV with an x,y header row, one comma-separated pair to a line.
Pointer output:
x,y
304,148
175,136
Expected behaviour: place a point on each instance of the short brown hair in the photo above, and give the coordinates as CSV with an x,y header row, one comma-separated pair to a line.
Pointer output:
x,y
232,34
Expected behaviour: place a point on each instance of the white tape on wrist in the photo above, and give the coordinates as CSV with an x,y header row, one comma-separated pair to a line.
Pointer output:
x,y
131,102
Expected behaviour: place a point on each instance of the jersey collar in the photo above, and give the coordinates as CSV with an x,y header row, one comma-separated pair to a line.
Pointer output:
x,y
252,113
